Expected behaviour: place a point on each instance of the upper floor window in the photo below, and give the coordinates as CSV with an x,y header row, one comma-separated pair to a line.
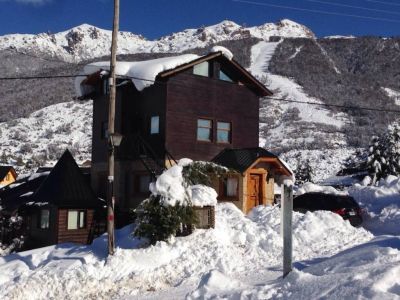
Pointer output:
x,y
223,132
155,125
76,219
44,219
202,69
224,77
204,130
106,86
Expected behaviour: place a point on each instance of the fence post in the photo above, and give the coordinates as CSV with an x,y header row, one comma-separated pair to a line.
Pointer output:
x,y
286,226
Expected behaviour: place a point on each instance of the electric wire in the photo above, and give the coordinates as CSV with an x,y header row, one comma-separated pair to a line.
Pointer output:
x,y
316,11
355,7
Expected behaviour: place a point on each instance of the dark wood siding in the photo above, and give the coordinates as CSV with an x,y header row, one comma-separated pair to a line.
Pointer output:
x,y
190,97
75,235
37,237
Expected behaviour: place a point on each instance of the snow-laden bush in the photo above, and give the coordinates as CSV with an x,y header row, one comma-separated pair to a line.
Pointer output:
x,y
384,154
11,237
169,210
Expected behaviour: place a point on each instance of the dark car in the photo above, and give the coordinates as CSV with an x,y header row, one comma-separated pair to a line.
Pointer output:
x,y
345,206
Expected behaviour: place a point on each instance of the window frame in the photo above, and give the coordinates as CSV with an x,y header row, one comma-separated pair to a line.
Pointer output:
x,y
106,86
151,124
211,130
39,221
78,220
229,132
208,69
223,189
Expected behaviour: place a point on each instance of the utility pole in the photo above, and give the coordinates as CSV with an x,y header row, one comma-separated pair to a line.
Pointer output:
x,y
286,226
111,132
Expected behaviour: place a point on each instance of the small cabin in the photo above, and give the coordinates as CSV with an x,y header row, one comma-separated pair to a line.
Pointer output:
x,y
252,179
7,175
57,205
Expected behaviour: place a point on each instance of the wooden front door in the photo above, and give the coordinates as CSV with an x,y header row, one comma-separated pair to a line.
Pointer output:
x,y
253,191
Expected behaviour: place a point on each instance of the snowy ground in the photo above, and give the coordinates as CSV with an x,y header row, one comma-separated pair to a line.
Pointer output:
x,y
239,259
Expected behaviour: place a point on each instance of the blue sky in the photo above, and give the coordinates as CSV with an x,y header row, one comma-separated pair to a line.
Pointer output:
x,y
161,17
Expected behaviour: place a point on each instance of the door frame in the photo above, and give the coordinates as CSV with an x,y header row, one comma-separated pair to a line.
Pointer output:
x,y
261,176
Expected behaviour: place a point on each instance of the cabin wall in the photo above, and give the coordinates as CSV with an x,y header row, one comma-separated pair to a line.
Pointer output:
x,y
76,235
190,97
238,201
37,237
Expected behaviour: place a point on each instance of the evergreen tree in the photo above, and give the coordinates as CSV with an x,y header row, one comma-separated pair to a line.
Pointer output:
x,y
384,154
304,172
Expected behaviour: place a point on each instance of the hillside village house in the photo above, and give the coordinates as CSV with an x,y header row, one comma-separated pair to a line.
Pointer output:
x,y
7,175
58,205
176,107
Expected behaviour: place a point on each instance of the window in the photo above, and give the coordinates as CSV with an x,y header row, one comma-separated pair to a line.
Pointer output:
x,y
106,86
104,130
229,187
204,130
76,219
44,219
224,77
155,125
223,132
201,69
144,183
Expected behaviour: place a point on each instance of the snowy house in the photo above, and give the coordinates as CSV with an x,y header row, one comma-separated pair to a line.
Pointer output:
x,y
167,109
7,175
57,205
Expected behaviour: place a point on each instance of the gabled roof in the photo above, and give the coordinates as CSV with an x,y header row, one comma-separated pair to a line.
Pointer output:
x,y
145,73
250,80
4,171
63,186
242,159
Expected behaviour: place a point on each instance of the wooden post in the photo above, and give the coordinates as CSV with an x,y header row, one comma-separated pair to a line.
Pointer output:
x,y
111,130
286,227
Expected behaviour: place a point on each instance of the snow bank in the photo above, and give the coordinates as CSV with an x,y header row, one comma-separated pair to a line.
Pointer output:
x,y
203,195
310,187
381,204
225,52
238,245
142,73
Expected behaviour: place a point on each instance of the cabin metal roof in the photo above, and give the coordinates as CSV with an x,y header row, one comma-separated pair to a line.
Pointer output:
x,y
62,186
242,159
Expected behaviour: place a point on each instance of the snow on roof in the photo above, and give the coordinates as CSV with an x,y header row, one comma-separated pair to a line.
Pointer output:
x,y
225,52
142,73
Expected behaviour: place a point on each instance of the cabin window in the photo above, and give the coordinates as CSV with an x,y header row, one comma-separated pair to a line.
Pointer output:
x,y
224,77
104,130
204,130
144,183
202,69
106,86
155,125
76,219
44,219
223,132
229,187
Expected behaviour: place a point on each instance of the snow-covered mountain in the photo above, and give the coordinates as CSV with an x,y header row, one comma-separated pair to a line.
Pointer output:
x,y
285,56
86,42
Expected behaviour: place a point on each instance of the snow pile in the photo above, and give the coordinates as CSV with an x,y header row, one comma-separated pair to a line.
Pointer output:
x,y
367,271
310,187
237,247
225,52
173,190
142,73
381,204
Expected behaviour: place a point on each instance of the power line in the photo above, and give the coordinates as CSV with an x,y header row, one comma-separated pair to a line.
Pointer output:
x,y
356,7
317,11
163,82
383,2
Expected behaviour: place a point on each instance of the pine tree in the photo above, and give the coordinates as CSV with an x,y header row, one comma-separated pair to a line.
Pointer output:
x,y
384,154
304,172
